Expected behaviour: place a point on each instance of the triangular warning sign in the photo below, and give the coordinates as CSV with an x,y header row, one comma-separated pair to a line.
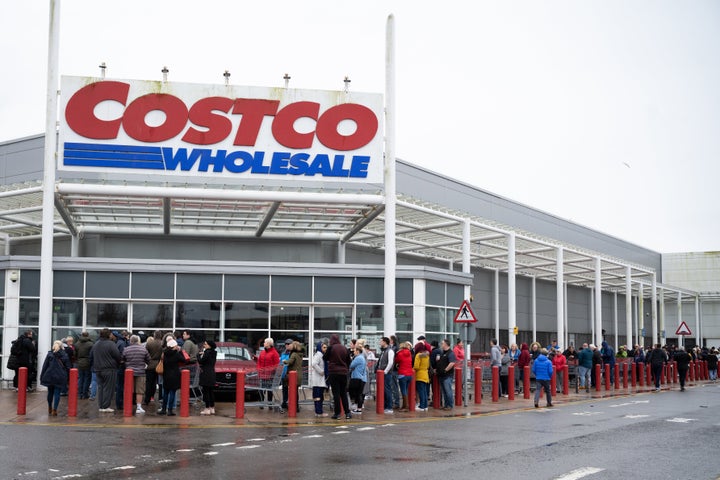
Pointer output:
x,y
683,329
465,314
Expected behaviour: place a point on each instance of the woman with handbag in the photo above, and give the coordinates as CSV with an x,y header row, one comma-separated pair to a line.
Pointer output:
x,y
54,375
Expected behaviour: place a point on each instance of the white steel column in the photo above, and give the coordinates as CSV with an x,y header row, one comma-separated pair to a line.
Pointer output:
x,y
560,297
641,314
698,333
533,308
662,315
628,308
615,319
48,210
598,301
681,338
511,283
592,314
496,320
466,255
341,252
390,324
653,310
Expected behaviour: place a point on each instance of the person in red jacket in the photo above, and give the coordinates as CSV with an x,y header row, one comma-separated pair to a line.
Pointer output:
x,y
403,359
559,365
523,361
267,362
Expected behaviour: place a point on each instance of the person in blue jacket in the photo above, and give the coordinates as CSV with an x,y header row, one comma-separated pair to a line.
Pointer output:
x,y
543,369
608,357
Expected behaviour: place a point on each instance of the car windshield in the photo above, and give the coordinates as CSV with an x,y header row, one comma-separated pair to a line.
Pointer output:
x,y
233,353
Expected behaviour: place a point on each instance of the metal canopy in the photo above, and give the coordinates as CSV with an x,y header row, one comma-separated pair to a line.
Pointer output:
x,y
422,230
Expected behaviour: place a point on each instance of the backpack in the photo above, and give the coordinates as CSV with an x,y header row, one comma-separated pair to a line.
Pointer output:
x,y
16,348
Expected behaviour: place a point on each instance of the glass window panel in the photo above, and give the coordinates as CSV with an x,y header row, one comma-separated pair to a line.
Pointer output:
x,y
292,317
67,312
108,284
2,321
434,319
68,284
404,318
404,290
451,325
291,289
153,285
254,339
247,315
333,318
455,295
247,287
152,316
61,333
345,338
29,309
370,290
197,315
280,336
370,318
30,283
434,293
107,315
334,289
2,283
199,286
200,335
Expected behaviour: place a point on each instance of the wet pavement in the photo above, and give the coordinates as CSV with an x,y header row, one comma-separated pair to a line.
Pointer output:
x,y
36,411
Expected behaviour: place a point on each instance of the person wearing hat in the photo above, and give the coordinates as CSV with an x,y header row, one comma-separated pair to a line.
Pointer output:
x,y
206,360
171,358
284,361
423,340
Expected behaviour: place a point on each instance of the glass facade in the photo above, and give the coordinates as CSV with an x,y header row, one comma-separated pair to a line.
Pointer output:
x,y
241,308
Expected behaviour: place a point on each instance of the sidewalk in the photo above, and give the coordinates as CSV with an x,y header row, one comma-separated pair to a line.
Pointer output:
x,y
88,414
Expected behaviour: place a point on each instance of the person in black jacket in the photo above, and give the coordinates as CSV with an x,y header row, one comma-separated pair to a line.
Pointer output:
x,y
26,358
338,358
54,375
206,360
682,357
171,358
657,359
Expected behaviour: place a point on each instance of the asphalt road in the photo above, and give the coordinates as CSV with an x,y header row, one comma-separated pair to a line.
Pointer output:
x,y
666,435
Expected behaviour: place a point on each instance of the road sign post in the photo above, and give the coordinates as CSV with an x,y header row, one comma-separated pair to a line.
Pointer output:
x,y
466,317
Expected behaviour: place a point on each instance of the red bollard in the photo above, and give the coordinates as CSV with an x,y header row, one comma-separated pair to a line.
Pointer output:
x,y
691,372
633,374
616,375
22,390
412,393
625,375
607,377
706,370
511,382
293,394
598,378
495,383
478,385
380,391
458,387
526,382
184,393
128,400
553,382
73,393
648,374
566,380
640,371
240,394
436,392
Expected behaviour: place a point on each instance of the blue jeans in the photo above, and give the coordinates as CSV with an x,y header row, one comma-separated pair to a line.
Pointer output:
x,y
53,396
168,400
447,391
388,400
422,393
404,381
93,385
584,374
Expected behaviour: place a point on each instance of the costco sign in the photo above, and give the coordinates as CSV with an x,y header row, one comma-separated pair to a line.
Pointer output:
x,y
220,130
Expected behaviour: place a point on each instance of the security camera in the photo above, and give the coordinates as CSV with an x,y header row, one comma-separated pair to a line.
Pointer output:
x,y
14,276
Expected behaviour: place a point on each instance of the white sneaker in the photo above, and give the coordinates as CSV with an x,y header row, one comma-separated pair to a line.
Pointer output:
x,y
139,410
389,410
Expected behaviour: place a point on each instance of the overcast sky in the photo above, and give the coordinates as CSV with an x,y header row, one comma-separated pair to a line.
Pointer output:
x,y
603,112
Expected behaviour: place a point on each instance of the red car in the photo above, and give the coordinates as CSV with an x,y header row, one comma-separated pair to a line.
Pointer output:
x,y
231,357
